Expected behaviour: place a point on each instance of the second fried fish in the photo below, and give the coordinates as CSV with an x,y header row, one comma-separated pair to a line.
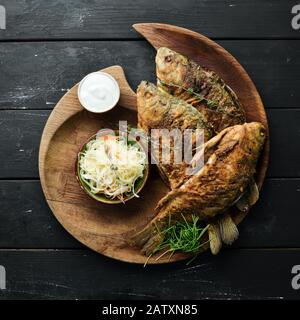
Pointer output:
x,y
159,110
200,87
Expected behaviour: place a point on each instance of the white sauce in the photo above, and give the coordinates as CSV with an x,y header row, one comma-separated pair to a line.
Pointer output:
x,y
98,92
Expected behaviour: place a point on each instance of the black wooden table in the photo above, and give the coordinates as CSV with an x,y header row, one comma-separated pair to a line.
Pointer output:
x,y
50,45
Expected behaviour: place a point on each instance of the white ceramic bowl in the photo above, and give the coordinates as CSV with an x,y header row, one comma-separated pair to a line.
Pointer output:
x,y
98,92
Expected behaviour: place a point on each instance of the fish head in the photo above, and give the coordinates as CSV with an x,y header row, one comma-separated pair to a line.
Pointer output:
x,y
149,95
251,131
257,131
251,136
171,67
151,103
146,91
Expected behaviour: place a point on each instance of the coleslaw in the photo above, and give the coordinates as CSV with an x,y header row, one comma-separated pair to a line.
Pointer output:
x,y
112,165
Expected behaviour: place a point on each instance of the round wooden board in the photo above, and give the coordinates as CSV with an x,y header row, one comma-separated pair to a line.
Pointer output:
x,y
106,228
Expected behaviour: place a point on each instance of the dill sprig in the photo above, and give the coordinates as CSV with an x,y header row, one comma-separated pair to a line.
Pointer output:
x,y
185,236
210,103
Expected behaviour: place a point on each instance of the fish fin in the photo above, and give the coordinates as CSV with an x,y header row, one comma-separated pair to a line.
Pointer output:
x,y
254,192
249,198
162,202
143,236
153,242
226,148
228,229
236,102
208,148
215,242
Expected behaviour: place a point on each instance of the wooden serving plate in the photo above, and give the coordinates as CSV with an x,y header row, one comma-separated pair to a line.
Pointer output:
x,y
106,228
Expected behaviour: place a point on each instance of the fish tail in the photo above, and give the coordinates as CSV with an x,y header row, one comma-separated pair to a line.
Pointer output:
x,y
228,229
214,236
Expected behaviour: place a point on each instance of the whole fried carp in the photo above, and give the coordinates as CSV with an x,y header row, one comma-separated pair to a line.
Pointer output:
x,y
200,87
214,188
159,110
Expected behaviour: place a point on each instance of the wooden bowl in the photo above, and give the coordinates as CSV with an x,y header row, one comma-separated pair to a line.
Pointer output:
x,y
139,184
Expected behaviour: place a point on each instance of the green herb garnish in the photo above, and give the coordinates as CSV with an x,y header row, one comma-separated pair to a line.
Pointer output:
x,y
185,236
210,103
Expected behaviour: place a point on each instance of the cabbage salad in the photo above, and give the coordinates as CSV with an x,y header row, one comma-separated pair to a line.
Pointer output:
x,y
112,165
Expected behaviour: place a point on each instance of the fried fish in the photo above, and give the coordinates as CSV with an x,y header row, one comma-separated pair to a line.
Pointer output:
x,y
214,188
200,87
159,110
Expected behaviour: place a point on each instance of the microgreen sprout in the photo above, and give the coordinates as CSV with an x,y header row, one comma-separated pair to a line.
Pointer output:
x,y
185,236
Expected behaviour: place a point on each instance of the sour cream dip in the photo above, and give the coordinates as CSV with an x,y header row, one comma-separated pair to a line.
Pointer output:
x,y
98,92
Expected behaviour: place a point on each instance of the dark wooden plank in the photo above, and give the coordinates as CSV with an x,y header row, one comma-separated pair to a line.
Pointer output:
x,y
285,143
274,220
76,274
274,68
27,220
29,223
36,19
20,134
46,70
36,75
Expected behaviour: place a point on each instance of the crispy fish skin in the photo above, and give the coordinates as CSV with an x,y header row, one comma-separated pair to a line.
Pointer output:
x,y
201,87
159,110
215,187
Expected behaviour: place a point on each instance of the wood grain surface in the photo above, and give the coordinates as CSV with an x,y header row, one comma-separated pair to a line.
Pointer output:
x,y
24,128
92,19
46,70
29,223
81,274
